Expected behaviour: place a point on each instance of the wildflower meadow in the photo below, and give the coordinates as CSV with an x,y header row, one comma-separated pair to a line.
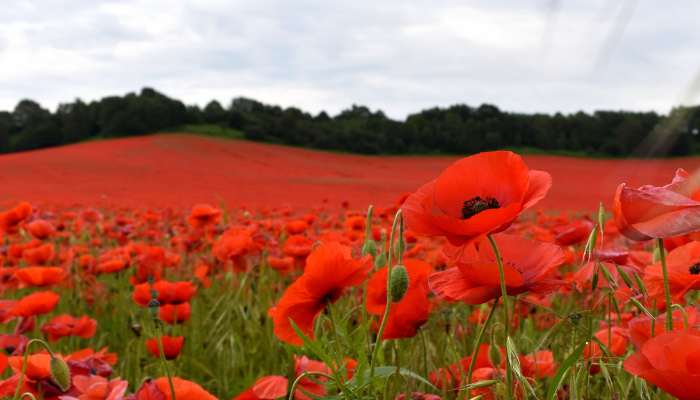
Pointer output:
x,y
458,289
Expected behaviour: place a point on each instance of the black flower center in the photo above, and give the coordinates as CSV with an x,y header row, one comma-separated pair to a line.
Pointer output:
x,y
695,269
476,205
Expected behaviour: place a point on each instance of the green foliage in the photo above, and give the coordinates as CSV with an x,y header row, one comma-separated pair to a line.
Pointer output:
x,y
459,129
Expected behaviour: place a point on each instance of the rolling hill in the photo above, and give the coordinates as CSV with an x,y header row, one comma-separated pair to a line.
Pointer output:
x,y
179,170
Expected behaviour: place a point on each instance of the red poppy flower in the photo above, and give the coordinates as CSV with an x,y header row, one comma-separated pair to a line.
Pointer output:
x,y
538,365
273,387
282,265
183,292
203,215
3,363
41,229
450,374
683,266
172,346
39,255
89,362
671,361
659,212
640,327
183,311
10,219
95,387
418,272
11,343
35,304
329,270
476,278
184,390
37,376
112,266
233,246
40,276
476,196
296,227
142,293
406,316
616,342
572,233
148,391
6,307
299,247
65,325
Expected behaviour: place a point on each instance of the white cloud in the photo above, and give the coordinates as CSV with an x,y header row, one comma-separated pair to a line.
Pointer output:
x,y
394,55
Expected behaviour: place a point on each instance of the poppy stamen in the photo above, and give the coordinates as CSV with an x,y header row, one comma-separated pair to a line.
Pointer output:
x,y
694,269
476,205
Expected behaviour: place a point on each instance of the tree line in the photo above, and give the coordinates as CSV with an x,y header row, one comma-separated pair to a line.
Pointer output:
x,y
459,129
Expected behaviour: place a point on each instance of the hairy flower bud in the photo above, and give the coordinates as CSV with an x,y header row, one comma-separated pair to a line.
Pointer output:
x,y
495,356
399,283
369,248
60,375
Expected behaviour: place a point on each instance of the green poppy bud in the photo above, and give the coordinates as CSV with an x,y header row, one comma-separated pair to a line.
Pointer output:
x,y
369,248
495,356
60,375
154,308
380,261
399,283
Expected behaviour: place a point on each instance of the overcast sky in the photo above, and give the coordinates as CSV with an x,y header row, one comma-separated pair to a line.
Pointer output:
x,y
399,56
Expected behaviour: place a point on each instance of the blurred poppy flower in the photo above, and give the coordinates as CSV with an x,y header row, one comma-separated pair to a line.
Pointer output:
x,y
169,312
419,396
41,229
40,276
95,387
659,212
10,219
39,255
406,316
273,387
65,325
670,361
329,270
538,365
184,390
172,346
476,279
35,304
203,215
10,343
476,196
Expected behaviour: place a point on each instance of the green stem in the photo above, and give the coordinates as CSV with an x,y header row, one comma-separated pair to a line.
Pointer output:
x,y
162,357
24,366
388,295
425,354
479,337
669,306
685,316
31,396
334,328
506,324
296,382
459,363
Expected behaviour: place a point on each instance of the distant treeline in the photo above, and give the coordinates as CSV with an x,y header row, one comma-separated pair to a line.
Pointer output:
x,y
459,129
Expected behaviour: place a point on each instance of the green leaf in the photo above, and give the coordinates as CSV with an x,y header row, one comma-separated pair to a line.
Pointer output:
x,y
387,371
565,366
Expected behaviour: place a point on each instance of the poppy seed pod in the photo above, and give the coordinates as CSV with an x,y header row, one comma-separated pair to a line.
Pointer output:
x,y
399,283
60,374
575,318
154,308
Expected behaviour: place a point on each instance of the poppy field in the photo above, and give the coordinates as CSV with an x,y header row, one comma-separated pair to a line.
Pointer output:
x,y
471,278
